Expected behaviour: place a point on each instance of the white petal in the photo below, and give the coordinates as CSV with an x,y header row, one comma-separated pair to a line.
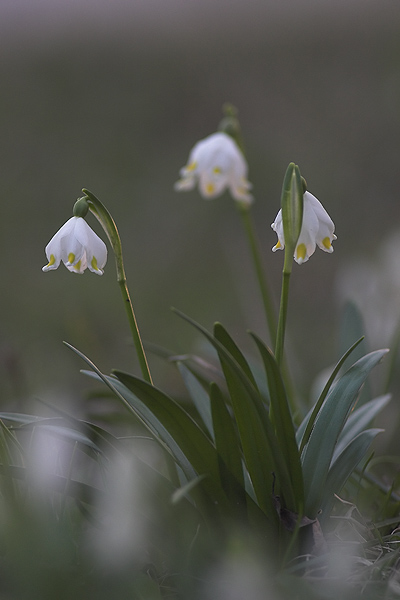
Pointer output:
x,y
94,246
54,245
277,226
185,184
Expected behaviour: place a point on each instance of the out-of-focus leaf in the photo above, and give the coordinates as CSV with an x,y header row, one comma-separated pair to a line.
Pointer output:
x,y
19,418
198,395
344,465
282,420
358,420
352,328
318,452
183,491
303,432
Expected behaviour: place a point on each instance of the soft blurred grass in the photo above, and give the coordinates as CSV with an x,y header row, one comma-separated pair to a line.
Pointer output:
x,y
119,115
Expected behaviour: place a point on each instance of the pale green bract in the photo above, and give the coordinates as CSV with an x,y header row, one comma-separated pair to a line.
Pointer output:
x,y
78,247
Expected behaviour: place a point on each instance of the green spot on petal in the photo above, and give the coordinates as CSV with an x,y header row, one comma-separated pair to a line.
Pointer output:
x,y
71,257
301,252
326,242
94,264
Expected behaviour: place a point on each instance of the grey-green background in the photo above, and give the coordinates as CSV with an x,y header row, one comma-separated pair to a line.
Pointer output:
x,y
112,95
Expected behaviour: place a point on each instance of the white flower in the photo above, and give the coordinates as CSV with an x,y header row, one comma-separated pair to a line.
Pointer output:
x,y
78,247
216,163
317,229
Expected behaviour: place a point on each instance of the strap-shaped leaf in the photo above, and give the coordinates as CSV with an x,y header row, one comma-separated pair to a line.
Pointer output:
x,y
259,445
198,395
226,440
282,420
329,423
304,431
193,443
345,465
358,421
221,334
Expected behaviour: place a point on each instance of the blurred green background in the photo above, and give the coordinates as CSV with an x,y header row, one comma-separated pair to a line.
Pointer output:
x,y
111,96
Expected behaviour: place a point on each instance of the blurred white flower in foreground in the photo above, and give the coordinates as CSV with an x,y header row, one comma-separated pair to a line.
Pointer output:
x,y
317,229
216,163
78,247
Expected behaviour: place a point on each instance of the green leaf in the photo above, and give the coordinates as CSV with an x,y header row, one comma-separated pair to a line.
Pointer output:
x,y
226,340
328,425
359,420
258,439
344,465
198,395
282,420
194,444
228,446
304,431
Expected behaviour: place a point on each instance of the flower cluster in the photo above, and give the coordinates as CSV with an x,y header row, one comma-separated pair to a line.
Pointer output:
x,y
216,163
78,247
317,230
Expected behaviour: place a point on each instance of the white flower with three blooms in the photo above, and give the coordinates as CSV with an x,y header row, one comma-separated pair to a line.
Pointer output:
x,y
216,163
317,230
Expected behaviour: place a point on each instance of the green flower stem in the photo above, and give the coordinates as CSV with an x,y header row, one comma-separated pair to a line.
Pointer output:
x,y
110,228
269,308
280,337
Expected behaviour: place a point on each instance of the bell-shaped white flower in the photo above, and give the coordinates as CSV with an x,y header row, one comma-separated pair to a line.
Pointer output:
x,y
317,230
78,247
216,163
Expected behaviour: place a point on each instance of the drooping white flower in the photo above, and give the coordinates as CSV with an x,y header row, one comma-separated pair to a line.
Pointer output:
x,y
78,247
216,163
317,230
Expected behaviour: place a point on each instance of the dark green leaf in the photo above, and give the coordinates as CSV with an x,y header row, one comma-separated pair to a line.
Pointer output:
x,y
328,425
358,420
304,431
198,395
282,420
187,435
226,340
344,465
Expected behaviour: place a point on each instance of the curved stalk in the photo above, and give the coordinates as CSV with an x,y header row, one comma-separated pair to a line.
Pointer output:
x,y
107,222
